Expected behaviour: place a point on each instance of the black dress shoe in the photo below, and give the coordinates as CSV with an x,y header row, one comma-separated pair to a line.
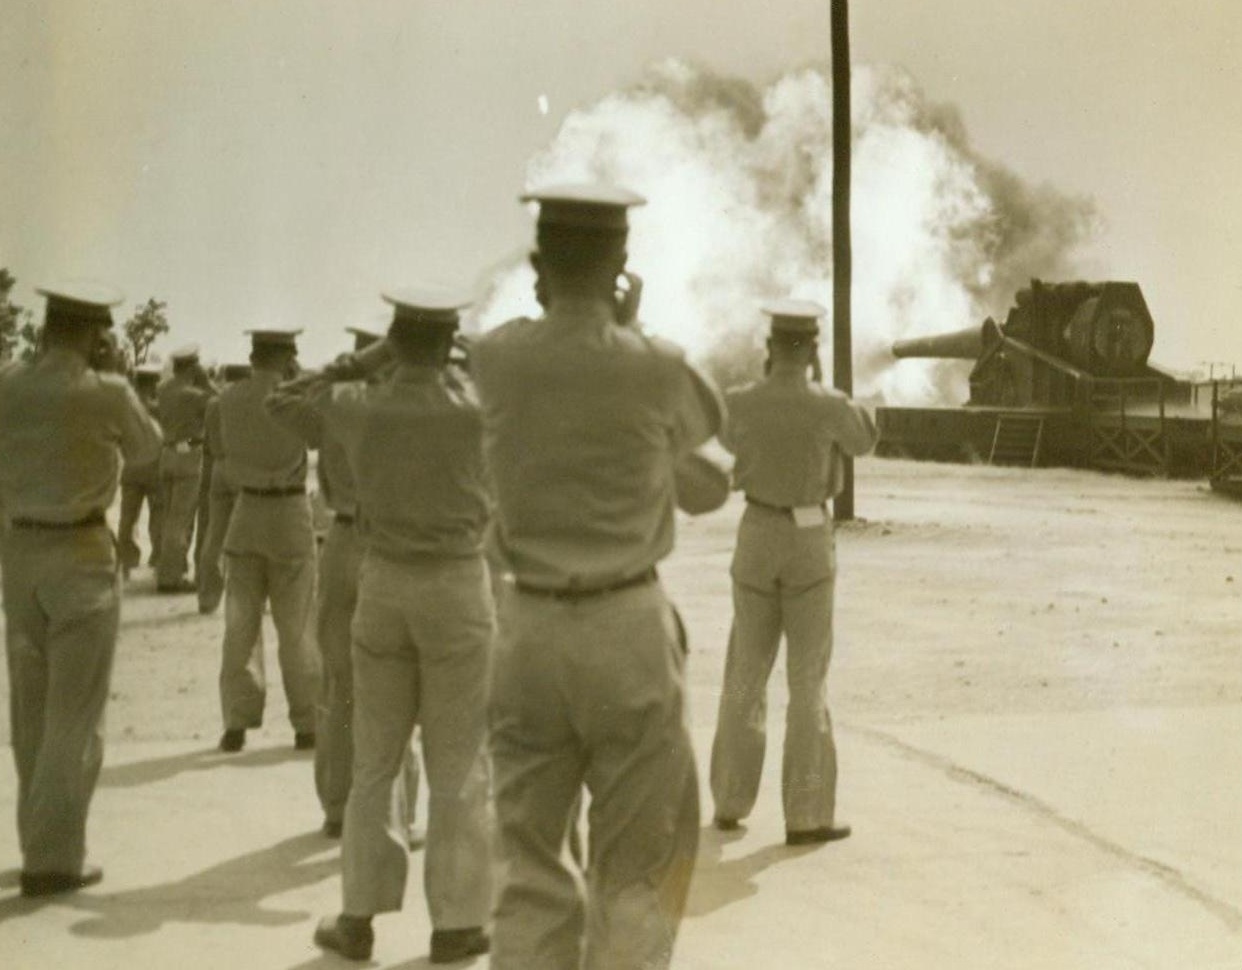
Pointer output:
x,y
830,833
726,824
51,883
449,946
233,740
350,936
304,741
332,829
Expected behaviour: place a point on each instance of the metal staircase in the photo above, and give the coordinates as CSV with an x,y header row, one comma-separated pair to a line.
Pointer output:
x,y
1017,440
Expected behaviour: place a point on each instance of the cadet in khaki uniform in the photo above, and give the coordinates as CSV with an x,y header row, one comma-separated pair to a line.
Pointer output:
x,y
221,497
183,407
584,422
61,427
340,558
141,483
269,550
421,633
787,432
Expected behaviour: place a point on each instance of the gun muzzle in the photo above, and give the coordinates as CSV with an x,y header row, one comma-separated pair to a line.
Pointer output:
x,y
959,345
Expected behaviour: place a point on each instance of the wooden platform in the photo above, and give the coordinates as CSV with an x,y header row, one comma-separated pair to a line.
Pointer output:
x,y
1138,443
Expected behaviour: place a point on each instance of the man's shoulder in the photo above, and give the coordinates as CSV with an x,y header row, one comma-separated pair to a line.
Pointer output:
x,y
237,391
506,333
741,396
663,348
112,383
239,397
740,391
827,396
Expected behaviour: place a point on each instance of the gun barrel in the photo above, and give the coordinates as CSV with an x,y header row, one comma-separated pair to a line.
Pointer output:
x,y
959,345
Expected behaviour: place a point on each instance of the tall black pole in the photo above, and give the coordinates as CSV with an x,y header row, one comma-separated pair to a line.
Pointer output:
x,y
842,251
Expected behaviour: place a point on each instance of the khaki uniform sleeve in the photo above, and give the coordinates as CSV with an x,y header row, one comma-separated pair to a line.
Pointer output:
x,y
201,400
698,409
727,427
852,426
141,438
300,409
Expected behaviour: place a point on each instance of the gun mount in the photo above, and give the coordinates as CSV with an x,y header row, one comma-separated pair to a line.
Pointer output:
x,y
1054,336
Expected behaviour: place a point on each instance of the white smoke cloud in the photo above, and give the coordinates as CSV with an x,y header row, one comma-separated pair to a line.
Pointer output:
x,y
739,183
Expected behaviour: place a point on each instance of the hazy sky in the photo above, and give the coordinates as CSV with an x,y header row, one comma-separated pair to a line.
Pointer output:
x,y
278,162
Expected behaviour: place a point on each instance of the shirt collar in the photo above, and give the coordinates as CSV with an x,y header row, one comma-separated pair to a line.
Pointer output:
x,y
58,358
579,309
788,374
416,373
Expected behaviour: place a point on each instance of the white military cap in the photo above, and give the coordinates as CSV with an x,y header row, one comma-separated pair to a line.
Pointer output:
x,y
274,338
593,205
147,375
427,304
364,336
184,355
88,301
794,316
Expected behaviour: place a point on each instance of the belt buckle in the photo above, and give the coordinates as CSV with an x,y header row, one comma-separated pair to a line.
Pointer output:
x,y
182,447
808,516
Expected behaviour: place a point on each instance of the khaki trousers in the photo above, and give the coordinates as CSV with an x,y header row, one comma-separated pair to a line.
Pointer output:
x,y
339,561
210,560
62,611
591,692
421,650
202,516
782,584
250,582
180,475
133,494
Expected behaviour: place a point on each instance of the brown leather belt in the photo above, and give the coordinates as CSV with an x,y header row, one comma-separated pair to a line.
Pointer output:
x,y
275,492
573,594
782,509
90,519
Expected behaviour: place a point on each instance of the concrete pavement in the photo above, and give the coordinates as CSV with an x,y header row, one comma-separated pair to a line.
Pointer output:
x,y
963,856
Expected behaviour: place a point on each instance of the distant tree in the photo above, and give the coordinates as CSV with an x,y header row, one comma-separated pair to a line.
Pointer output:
x,y
148,323
19,335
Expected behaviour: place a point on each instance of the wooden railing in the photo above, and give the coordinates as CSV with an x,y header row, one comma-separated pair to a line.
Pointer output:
x,y
1226,434
1121,438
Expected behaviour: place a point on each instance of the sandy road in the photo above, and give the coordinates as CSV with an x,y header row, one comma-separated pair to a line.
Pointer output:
x,y
1038,692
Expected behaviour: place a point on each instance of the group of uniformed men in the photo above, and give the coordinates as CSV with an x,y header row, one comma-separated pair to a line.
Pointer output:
x,y
542,472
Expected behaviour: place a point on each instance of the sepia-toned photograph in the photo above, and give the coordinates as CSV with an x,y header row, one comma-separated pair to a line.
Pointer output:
x,y
578,485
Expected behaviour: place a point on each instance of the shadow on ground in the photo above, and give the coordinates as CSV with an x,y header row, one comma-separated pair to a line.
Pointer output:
x,y
161,769
718,883
231,892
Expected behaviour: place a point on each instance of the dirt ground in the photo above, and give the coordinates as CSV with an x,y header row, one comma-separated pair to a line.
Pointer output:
x,y
1032,670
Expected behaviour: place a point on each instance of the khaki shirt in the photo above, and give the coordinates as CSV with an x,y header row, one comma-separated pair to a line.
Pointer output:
x,y
182,409
63,430
786,433
336,479
147,473
414,442
213,440
584,422
302,411
259,452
